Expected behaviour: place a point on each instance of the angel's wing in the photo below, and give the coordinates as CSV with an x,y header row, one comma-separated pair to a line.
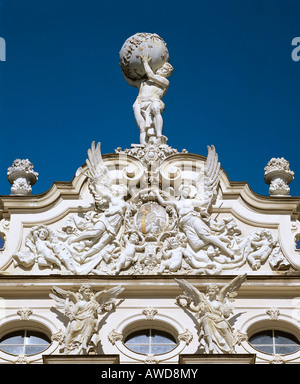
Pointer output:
x,y
60,296
190,291
108,294
231,287
212,174
97,170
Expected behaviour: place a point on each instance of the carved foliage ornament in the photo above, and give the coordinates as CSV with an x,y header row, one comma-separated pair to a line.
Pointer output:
x,y
22,176
278,175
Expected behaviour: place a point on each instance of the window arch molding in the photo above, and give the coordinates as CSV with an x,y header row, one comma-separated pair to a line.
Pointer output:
x,y
161,322
262,322
37,323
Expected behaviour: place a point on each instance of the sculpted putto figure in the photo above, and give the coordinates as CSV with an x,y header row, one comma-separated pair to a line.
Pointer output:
x,y
82,309
148,106
258,248
43,246
212,309
128,256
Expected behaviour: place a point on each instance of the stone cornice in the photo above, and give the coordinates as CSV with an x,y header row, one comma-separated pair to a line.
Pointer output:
x,y
142,286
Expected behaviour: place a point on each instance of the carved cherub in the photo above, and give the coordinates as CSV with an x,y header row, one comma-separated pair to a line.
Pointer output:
x,y
128,255
82,308
258,248
212,309
174,254
37,249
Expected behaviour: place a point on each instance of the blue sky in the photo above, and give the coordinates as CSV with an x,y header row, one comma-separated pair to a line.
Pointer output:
x,y
234,83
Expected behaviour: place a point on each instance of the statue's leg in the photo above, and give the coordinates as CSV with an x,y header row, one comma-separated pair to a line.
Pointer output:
x,y
105,239
216,241
156,111
87,234
203,233
140,121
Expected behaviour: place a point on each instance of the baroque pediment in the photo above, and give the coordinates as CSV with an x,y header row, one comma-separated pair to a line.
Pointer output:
x,y
147,210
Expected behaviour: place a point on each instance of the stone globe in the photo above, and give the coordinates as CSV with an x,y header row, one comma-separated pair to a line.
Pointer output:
x,y
140,44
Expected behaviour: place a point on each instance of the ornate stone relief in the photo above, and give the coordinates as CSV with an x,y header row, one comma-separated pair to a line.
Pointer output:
x,y
273,313
278,359
212,310
159,226
149,313
21,359
83,309
114,336
21,176
24,313
186,336
278,175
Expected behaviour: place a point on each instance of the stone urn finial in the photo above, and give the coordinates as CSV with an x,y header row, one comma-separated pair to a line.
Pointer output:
x,y
278,176
21,176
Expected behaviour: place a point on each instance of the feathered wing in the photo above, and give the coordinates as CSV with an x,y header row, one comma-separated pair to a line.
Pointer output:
x,y
107,295
191,292
60,296
232,287
212,174
99,178
97,170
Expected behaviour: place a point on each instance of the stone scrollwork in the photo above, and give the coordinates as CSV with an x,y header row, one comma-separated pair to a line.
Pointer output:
x,y
273,313
149,313
212,310
24,313
114,336
83,309
186,336
150,229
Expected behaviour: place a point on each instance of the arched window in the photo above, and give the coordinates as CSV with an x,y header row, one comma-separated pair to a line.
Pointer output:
x,y
150,341
24,342
2,243
275,341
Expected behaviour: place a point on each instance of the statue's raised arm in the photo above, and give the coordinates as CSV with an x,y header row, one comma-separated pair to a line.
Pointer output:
x,y
159,77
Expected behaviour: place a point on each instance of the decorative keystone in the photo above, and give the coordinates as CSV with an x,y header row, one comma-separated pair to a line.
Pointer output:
x,y
21,176
278,176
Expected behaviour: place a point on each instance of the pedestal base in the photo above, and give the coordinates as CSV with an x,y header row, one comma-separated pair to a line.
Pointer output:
x,y
81,359
236,358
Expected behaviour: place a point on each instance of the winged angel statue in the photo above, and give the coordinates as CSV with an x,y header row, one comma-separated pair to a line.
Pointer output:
x,y
109,200
213,309
192,209
83,308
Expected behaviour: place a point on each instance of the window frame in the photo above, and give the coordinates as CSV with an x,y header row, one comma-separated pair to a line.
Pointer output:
x,y
149,331
273,343
25,343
